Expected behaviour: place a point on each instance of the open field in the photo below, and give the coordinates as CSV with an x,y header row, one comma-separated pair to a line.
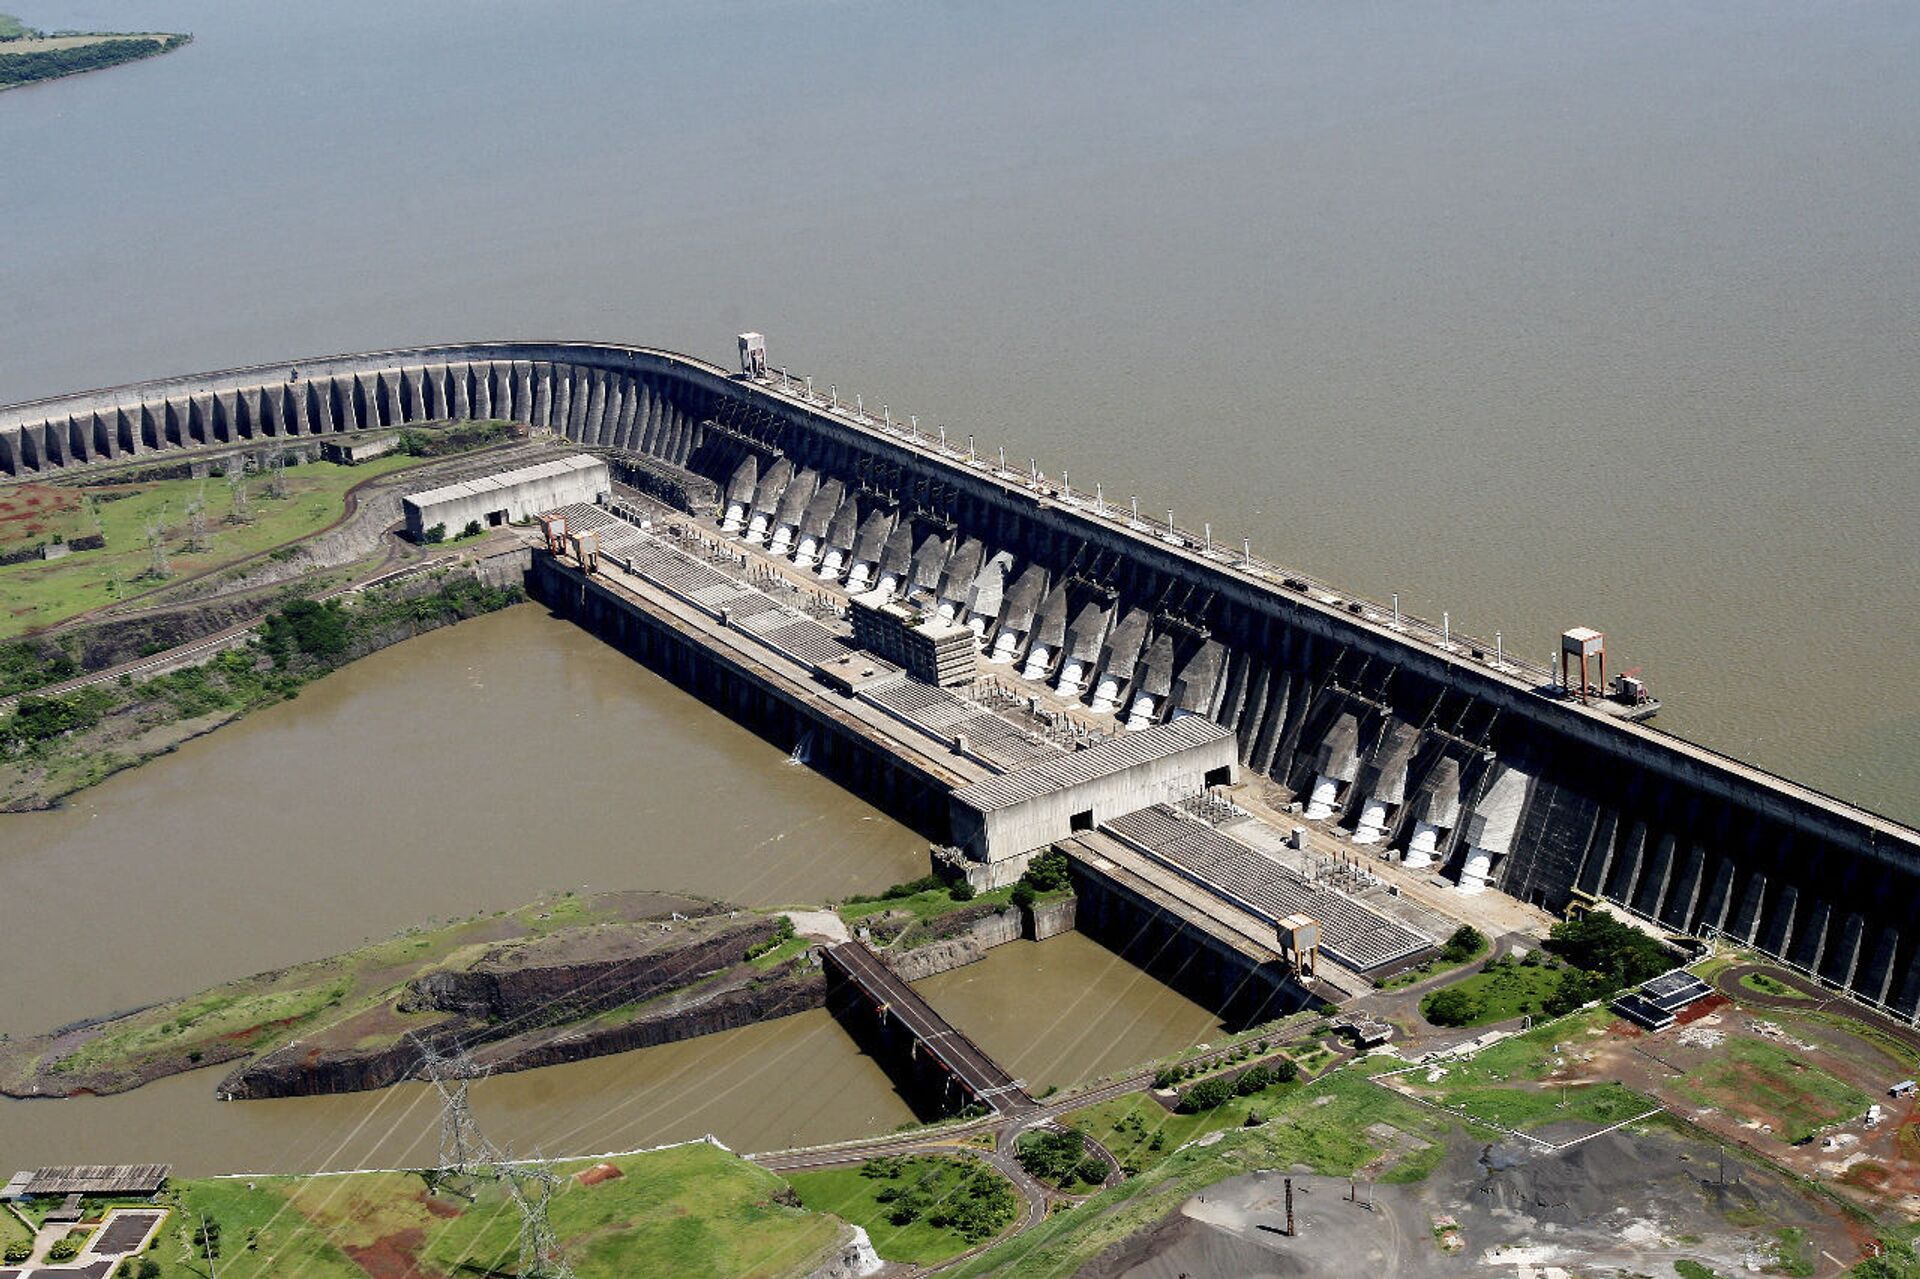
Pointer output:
x,y
691,1210
1500,992
39,593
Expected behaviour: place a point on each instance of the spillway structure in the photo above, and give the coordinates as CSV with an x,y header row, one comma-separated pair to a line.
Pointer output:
x,y
1423,744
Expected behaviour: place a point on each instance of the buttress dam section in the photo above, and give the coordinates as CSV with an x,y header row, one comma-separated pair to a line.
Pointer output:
x,y
1433,751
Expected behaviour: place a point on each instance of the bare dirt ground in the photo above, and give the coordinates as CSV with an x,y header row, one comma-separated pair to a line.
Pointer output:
x,y
1622,1203
1764,1079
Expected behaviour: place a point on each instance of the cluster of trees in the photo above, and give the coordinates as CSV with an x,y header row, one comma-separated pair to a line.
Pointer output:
x,y
1217,1091
49,64
1060,1158
1596,956
25,666
977,1208
959,889
314,628
143,1268
1047,873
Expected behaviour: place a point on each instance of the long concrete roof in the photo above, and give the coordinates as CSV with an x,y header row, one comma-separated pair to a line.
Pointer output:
x,y
506,479
1111,757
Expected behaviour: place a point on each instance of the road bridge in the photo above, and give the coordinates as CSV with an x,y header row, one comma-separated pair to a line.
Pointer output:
x,y
949,1069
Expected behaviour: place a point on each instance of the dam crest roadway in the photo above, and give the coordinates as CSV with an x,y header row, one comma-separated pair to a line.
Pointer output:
x,y
1404,741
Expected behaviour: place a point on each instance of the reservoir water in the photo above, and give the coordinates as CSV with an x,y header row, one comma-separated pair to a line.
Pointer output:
x,y
474,769
1536,316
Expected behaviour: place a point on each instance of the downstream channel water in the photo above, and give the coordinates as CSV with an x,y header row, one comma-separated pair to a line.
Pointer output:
x,y
474,769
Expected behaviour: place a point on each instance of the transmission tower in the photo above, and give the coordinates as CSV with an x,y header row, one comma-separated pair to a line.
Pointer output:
x,y
465,1151
531,1185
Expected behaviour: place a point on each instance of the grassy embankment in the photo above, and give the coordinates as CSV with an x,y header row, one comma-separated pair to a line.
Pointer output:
x,y
688,1211
53,746
28,56
234,525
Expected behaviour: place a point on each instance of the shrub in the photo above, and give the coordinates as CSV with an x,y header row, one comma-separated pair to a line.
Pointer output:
x,y
316,629
473,529
961,891
1451,1007
1285,1071
1208,1094
1023,895
18,1251
438,533
1464,944
1048,873
1167,1077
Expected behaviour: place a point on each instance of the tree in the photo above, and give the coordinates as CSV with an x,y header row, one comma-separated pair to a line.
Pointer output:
x,y
438,533
473,529
1451,1007
1618,952
316,629
1208,1094
197,539
1051,1156
1466,942
1023,895
240,513
1252,1080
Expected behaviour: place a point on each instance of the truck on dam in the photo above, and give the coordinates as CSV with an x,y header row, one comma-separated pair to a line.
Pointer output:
x,y
1014,665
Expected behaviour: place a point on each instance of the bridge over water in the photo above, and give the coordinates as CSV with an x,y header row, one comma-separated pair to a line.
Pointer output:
x,y
946,1067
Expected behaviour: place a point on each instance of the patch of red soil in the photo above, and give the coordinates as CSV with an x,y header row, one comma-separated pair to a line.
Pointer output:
x,y
598,1173
254,1032
395,1256
438,1207
1694,1012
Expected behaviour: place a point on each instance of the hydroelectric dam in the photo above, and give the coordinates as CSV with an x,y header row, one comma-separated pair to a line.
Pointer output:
x,y
1116,639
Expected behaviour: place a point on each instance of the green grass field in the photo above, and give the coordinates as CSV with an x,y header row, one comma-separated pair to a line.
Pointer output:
x,y
849,1194
39,593
691,1210
1503,992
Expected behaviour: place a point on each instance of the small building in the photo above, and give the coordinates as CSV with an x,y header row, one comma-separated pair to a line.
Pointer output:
x,y
1017,813
929,650
351,450
509,497
1659,1003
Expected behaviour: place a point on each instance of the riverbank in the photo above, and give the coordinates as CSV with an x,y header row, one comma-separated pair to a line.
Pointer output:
x,y
561,980
28,56
54,746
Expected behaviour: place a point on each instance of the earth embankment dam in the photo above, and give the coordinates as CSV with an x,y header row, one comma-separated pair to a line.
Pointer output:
x,y
1425,741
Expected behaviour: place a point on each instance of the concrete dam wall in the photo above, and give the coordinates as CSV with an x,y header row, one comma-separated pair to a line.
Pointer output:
x,y
1435,752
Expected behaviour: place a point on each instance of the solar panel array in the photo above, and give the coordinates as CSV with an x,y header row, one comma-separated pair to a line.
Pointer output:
x,y
1350,933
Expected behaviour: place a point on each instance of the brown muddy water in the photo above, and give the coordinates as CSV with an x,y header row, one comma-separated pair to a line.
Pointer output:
x,y
474,769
